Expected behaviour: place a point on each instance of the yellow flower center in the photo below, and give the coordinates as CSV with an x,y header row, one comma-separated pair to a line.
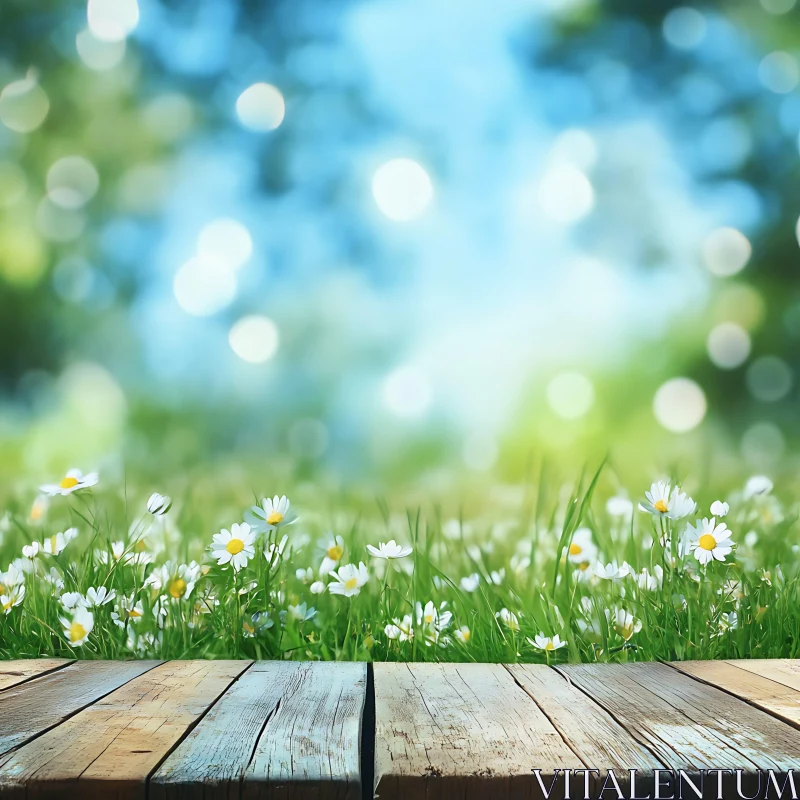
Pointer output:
x,y
275,518
428,619
661,505
248,628
134,614
54,543
707,541
37,511
177,588
465,635
550,645
7,605
69,483
583,566
234,546
76,632
575,549
335,553
140,546
351,583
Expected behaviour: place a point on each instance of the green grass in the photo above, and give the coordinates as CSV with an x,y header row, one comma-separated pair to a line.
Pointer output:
x,y
514,539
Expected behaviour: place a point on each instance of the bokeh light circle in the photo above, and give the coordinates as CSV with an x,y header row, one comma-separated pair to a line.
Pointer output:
x,y
23,105
254,339
407,392
204,286
261,107
72,181
779,72
402,189
98,54
570,395
778,6
728,345
763,444
565,194
769,379
227,241
680,405
726,251
112,20
684,27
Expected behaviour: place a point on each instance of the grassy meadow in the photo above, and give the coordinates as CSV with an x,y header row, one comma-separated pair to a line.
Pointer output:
x,y
581,571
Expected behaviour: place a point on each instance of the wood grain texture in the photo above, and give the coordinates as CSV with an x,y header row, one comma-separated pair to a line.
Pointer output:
x,y
686,723
593,734
460,730
12,673
284,730
780,670
31,708
109,749
774,698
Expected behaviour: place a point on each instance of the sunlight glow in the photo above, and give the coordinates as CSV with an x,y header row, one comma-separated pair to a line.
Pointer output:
x,y
204,286
680,405
402,189
261,107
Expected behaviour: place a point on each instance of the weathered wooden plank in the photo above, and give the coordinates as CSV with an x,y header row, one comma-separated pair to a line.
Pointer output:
x,y
110,748
460,730
592,733
780,670
33,707
774,698
686,723
21,670
285,729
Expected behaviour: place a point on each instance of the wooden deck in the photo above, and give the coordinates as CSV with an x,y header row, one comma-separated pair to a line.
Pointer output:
x,y
238,729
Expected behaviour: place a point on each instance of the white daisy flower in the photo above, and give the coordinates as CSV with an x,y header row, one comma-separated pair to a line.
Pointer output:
x,y
619,506
463,634
648,582
127,609
547,643
99,597
12,578
496,577
300,612
662,501
318,587
271,514
433,617
54,545
400,629
710,541
389,550
757,485
334,550
625,624
305,575
612,571
719,509
176,581
13,597
275,551
39,509
159,504
470,583
31,550
508,618
72,600
73,481
581,549
78,628
349,579
234,547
